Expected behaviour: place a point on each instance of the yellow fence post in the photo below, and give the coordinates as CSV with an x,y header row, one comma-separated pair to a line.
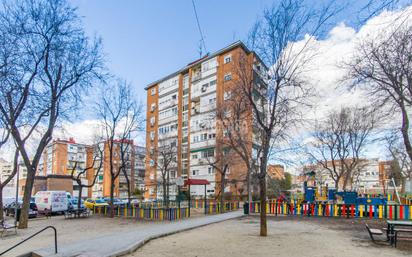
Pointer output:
x,y
380,211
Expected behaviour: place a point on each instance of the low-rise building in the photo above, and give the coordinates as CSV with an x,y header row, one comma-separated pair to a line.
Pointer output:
x,y
6,169
276,171
365,178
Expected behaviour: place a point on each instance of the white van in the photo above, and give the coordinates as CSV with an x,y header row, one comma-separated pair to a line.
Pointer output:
x,y
53,201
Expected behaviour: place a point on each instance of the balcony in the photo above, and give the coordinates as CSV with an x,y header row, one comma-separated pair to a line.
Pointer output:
x,y
196,77
203,144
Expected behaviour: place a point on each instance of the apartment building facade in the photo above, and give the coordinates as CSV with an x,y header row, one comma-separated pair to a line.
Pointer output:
x,y
181,114
139,167
6,169
61,159
122,149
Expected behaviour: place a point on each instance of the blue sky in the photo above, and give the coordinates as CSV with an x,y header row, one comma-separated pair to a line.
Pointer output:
x,y
146,40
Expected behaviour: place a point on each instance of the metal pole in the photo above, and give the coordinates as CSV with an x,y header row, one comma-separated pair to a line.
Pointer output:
x,y
249,185
205,201
190,199
17,195
396,191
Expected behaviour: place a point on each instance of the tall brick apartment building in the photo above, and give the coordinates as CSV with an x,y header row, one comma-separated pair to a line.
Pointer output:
x,y
103,182
181,111
55,168
61,156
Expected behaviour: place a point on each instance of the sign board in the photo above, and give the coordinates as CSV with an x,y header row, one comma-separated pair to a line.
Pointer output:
x,y
179,181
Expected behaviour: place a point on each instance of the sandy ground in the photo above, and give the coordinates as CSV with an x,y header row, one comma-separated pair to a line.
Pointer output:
x,y
287,237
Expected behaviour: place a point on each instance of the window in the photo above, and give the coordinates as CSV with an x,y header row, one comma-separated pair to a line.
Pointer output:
x,y
212,83
228,77
227,95
210,171
204,87
208,153
212,100
153,91
153,107
152,135
228,58
152,121
194,156
195,172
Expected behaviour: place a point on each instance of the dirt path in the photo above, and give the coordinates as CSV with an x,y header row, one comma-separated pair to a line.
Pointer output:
x,y
286,238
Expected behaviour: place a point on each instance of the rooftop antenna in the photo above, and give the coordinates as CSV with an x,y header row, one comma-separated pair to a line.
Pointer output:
x,y
200,49
202,38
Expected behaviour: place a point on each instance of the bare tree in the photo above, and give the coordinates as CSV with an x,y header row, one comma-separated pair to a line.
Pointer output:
x,y
234,119
166,163
221,163
339,142
382,66
120,116
277,93
79,174
50,62
400,164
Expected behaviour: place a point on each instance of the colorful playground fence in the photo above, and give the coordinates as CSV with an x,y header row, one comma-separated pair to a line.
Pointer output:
x,y
157,211
392,212
215,207
153,214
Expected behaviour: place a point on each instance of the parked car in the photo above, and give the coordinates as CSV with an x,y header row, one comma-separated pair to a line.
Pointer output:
x,y
73,204
7,201
116,201
11,210
94,202
51,201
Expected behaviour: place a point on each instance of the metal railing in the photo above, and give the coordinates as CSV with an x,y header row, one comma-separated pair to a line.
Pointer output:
x,y
35,234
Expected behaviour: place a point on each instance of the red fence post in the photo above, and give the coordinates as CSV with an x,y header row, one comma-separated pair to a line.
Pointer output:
x,y
370,211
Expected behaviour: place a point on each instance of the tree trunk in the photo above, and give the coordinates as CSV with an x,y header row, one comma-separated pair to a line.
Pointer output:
x,y
164,189
405,132
249,186
167,189
222,195
79,200
263,222
24,213
1,203
111,197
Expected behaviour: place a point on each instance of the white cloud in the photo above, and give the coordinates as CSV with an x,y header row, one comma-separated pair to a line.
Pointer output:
x,y
326,69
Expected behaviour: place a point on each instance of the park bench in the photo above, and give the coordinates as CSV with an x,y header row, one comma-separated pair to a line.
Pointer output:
x,y
377,232
76,213
6,228
403,234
